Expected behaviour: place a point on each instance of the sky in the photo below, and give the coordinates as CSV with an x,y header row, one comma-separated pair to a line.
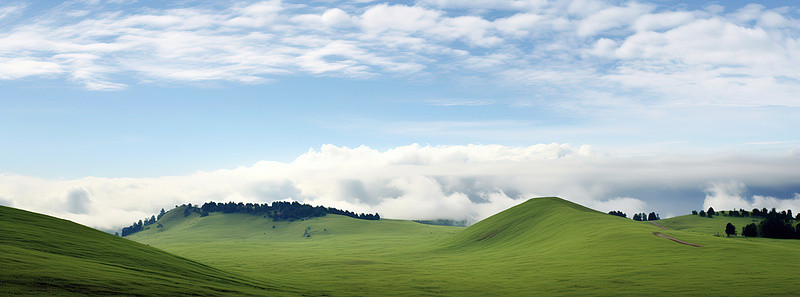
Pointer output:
x,y
429,109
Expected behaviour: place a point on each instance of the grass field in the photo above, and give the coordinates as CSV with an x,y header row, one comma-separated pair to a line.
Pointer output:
x,y
542,246
42,255
704,225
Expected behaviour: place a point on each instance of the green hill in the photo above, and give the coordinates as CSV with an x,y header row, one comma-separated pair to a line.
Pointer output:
x,y
42,255
542,246
545,246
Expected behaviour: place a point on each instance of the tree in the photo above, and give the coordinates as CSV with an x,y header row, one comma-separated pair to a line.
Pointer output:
x,y
694,212
750,230
797,231
636,217
702,213
653,217
116,233
730,230
710,212
161,214
613,213
775,227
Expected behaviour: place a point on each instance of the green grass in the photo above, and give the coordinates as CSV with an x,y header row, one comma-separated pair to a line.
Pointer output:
x,y
42,255
543,246
705,225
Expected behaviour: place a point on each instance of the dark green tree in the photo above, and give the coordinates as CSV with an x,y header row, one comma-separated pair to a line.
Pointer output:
x,y
711,212
702,213
730,230
750,230
613,213
775,227
653,216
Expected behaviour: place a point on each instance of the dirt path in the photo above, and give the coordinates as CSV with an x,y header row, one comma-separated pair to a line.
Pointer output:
x,y
675,240
657,225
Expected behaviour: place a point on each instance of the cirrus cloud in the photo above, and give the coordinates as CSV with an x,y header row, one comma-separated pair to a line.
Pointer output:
x,y
639,51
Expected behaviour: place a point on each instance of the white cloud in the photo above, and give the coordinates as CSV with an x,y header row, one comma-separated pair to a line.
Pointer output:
x,y
520,24
383,17
726,195
413,182
256,15
487,4
662,21
337,18
612,18
731,195
747,57
19,68
627,205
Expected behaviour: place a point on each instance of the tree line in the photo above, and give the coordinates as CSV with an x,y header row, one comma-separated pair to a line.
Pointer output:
x,y
139,226
277,211
775,224
282,210
653,216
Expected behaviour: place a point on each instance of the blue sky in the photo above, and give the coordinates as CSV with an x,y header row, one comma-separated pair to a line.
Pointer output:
x,y
141,91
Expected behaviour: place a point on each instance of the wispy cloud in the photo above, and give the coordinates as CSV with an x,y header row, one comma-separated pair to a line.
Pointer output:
x,y
640,51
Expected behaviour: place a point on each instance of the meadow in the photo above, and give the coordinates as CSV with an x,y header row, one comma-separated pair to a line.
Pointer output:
x,y
543,246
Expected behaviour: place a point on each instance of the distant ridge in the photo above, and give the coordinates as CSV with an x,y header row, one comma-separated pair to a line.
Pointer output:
x,y
277,211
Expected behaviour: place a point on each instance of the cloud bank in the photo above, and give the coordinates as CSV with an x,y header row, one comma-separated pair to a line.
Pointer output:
x,y
585,50
731,195
468,182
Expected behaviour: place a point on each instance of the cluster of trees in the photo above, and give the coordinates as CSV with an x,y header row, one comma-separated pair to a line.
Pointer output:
x,y
617,213
645,217
282,211
140,225
636,217
785,215
769,228
277,211
774,225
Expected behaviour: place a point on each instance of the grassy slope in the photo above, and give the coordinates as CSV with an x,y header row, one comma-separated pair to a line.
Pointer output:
x,y
343,255
42,255
542,246
715,225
